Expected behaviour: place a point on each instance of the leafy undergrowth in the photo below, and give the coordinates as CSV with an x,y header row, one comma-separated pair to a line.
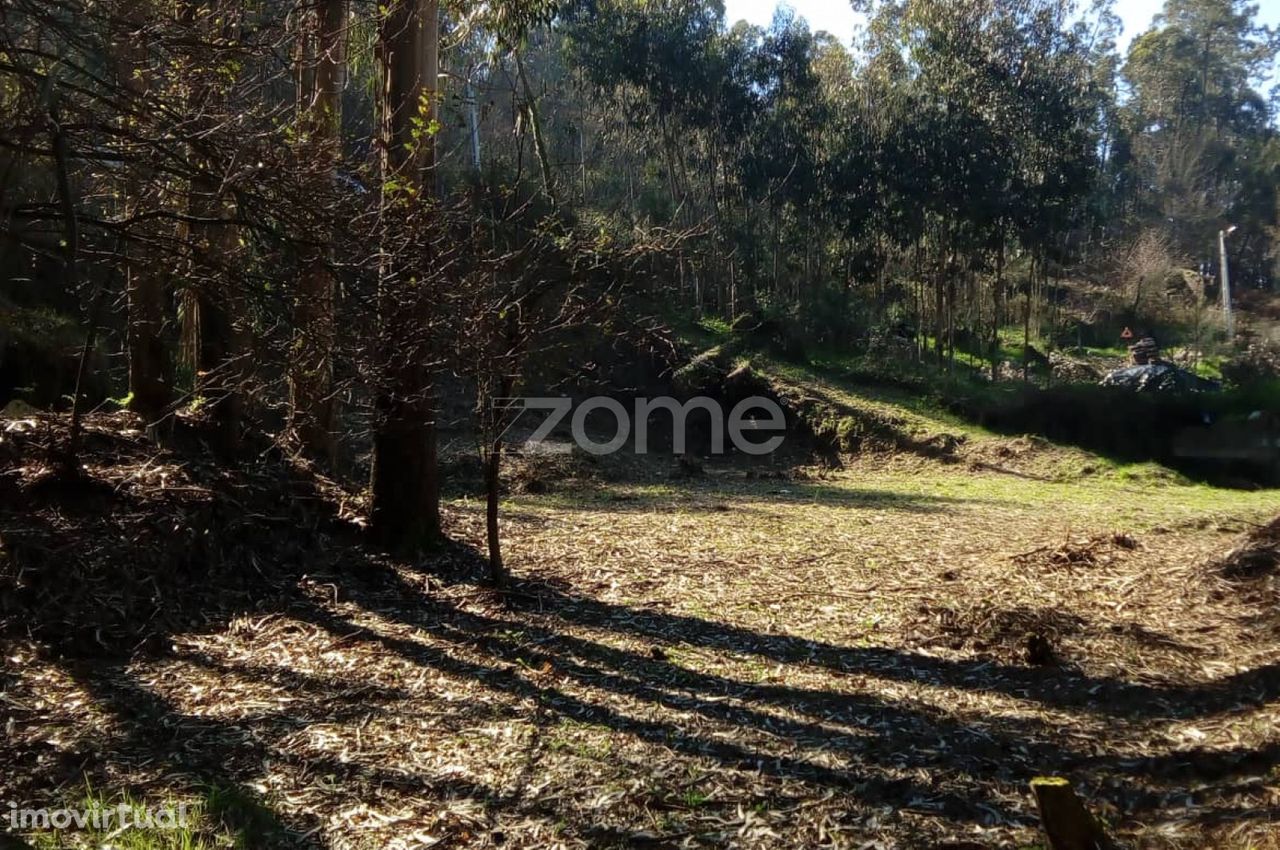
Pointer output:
x,y
879,656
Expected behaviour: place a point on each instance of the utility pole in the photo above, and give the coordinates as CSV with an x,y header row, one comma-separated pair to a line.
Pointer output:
x,y
1226,283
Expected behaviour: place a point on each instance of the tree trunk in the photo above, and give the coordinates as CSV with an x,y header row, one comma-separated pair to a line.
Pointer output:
x,y
492,481
997,313
535,125
71,268
940,312
312,407
668,151
1026,323
491,418
219,347
404,481
777,247
150,367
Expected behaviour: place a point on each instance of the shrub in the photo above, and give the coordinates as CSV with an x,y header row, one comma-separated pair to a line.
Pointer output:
x,y
1258,362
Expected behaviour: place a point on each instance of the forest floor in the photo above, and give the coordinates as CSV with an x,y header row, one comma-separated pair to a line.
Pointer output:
x,y
879,656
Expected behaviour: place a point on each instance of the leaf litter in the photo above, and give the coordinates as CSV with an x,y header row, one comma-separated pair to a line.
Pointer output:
x,y
713,663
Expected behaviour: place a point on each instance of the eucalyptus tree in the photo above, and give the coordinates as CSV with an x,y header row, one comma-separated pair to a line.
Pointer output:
x,y
660,50
781,165
323,30
991,137
404,479
1200,127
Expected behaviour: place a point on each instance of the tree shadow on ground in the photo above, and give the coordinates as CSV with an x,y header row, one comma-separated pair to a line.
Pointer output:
x,y
692,497
1052,687
878,740
956,767
162,752
542,653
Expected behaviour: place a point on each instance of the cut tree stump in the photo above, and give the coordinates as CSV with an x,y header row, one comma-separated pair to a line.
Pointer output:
x,y
1067,823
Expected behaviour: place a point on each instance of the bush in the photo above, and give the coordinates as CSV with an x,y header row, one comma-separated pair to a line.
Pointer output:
x,y
1259,362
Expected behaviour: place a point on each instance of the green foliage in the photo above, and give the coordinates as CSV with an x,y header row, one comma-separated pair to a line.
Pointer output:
x,y
715,326
1257,364
38,326
223,817
195,835
1197,135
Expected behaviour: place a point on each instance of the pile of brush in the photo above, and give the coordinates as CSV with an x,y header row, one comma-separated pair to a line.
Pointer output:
x,y
1257,557
1099,550
148,540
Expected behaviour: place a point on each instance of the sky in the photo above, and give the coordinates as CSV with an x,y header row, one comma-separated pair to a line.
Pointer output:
x,y
837,18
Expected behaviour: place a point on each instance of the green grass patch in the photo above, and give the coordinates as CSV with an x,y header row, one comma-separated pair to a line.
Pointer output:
x,y
126,822
716,327
223,817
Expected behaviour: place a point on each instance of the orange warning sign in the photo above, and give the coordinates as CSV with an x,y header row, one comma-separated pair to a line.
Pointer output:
x,y
1128,334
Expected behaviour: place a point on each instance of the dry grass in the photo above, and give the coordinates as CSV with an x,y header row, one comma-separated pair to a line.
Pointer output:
x,y
815,660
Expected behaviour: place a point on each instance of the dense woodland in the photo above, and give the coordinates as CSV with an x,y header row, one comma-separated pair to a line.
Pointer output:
x,y
318,214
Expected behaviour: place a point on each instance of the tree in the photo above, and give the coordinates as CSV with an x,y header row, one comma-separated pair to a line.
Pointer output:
x,y
1200,129
321,79
150,363
215,312
404,484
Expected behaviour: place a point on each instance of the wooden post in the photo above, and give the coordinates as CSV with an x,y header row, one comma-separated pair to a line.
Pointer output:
x,y
1067,823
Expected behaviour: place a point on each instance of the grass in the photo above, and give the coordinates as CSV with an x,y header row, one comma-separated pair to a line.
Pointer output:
x,y
1210,367
1115,353
714,327
919,409
845,559
222,817
1137,496
191,829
